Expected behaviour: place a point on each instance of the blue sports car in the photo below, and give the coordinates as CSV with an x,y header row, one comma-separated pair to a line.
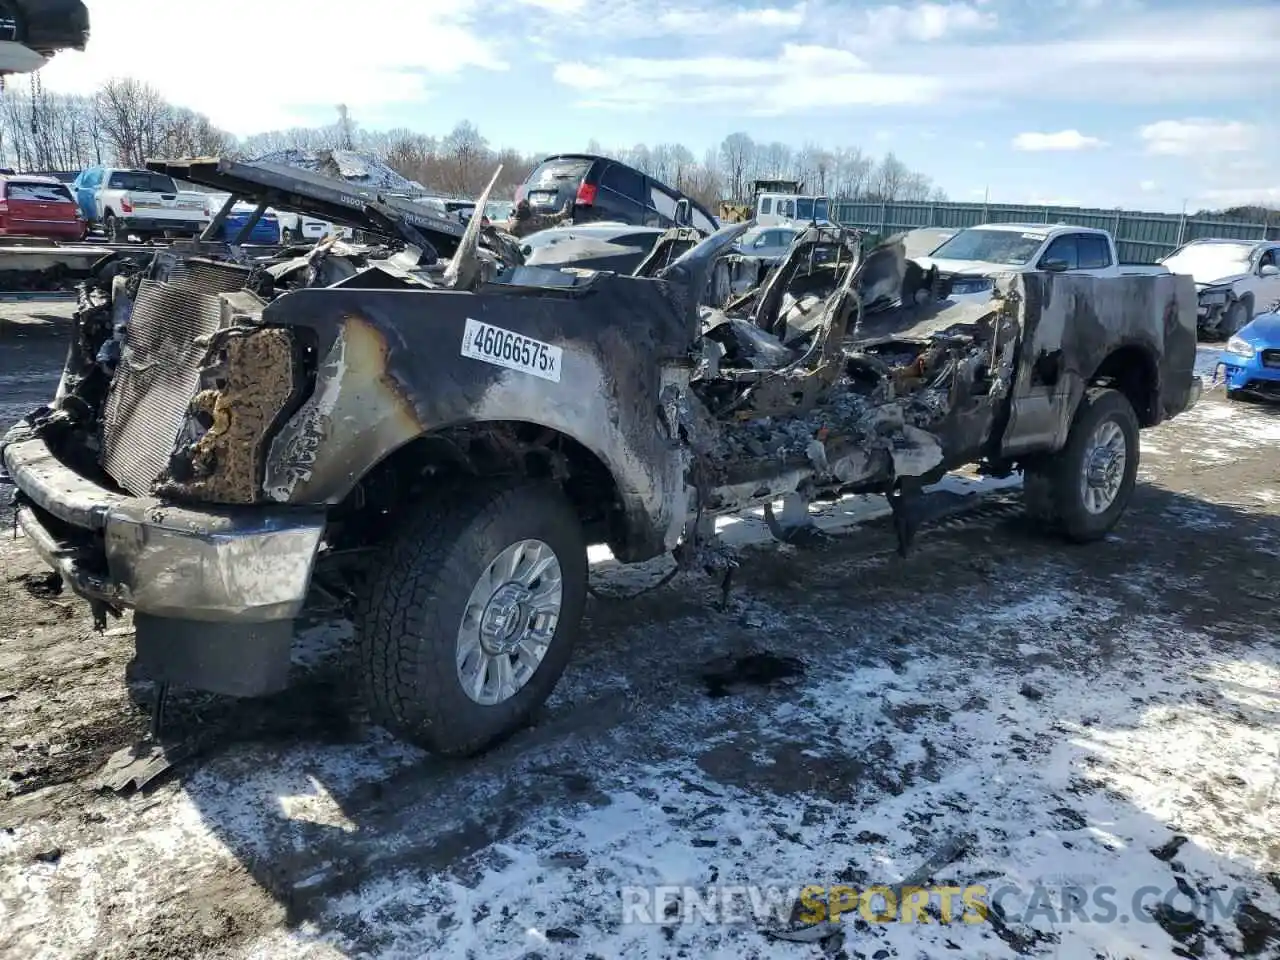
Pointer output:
x,y
1250,363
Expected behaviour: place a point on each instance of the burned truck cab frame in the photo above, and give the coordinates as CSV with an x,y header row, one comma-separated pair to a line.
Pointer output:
x,y
438,449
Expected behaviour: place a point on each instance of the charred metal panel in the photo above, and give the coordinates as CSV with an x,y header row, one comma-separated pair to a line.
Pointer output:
x,y
392,369
355,415
1072,323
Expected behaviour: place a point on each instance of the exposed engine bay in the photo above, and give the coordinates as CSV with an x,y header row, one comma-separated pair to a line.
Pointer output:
x,y
856,371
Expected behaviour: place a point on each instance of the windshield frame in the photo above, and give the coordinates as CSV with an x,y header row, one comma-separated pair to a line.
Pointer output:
x,y
557,171
1036,239
64,197
152,178
1213,256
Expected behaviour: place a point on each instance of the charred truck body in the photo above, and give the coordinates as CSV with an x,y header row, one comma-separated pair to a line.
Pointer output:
x,y
440,448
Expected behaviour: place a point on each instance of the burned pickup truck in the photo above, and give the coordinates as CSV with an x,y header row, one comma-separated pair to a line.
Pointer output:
x,y
441,440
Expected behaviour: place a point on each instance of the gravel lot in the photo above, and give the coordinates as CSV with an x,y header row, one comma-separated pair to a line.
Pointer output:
x,y
999,707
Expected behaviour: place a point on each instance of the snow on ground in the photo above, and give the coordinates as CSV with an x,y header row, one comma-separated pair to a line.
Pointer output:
x,y
1219,433
1207,360
1059,778
1104,719
1001,768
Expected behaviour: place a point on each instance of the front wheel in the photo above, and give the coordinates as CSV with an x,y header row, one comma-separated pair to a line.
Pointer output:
x,y
469,620
115,232
1236,317
1084,488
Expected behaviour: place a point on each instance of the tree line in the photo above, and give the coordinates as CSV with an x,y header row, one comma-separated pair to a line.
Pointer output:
x,y
128,121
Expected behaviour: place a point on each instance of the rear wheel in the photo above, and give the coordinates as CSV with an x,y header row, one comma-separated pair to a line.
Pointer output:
x,y
469,621
115,232
1084,488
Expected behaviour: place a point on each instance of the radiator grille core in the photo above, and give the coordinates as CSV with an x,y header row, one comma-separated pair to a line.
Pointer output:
x,y
209,277
158,373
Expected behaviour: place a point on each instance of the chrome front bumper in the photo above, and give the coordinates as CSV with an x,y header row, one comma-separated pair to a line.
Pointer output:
x,y
242,565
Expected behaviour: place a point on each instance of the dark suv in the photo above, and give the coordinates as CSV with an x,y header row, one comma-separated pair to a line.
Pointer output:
x,y
604,189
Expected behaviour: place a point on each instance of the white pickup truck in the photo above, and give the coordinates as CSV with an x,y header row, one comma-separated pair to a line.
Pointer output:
x,y
299,228
975,255
138,203
1234,279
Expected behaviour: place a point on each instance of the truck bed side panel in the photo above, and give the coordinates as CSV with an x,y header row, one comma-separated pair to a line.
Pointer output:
x,y
1072,324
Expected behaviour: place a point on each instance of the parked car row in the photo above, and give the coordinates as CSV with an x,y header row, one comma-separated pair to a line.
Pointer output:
x,y
140,204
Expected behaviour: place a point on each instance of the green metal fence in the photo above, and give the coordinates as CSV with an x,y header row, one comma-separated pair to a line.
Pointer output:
x,y
1140,237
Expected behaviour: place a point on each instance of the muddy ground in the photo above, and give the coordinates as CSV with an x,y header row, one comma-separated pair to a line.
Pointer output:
x,y
1046,714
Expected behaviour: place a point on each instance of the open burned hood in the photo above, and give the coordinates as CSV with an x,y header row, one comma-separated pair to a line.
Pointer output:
x,y
283,187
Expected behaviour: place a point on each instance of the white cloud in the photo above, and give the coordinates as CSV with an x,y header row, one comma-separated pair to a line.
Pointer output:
x,y
873,26
932,21
1062,140
1242,196
1113,62
799,74
1148,186
1198,137
273,63
555,6
690,20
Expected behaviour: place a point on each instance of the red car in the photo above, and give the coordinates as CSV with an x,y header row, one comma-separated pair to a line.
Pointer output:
x,y
39,207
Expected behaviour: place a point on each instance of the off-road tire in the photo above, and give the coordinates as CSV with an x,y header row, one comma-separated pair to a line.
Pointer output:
x,y
408,614
1051,488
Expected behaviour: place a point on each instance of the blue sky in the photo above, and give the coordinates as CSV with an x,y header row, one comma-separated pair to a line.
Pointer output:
x,y
1133,103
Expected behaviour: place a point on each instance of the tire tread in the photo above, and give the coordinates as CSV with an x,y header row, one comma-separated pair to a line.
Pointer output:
x,y
402,684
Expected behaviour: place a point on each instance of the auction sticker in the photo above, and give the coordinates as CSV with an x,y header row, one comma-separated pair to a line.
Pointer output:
x,y
503,348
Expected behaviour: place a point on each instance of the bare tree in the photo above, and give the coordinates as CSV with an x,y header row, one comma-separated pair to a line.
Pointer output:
x,y
133,119
464,149
738,151
916,187
889,177
682,164
776,161
853,172
128,121
638,157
